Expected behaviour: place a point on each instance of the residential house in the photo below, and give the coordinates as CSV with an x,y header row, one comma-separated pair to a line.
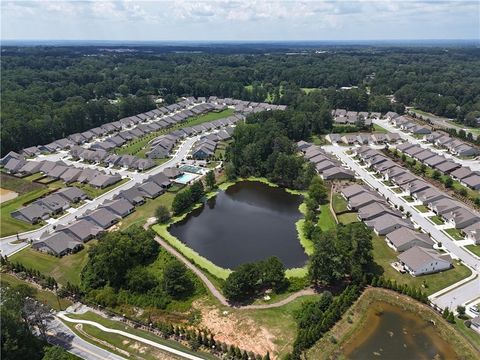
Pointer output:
x,y
419,261
58,244
386,223
102,217
405,238
81,230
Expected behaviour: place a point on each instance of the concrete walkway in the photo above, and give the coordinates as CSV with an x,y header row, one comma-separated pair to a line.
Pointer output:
x,y
131,336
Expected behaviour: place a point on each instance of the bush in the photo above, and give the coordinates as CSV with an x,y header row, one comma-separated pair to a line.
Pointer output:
x,y
162,214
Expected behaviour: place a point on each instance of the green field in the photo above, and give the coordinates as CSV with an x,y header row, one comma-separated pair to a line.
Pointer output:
x,y
139,147
384,256
474,249
455,234
63,270
437,220
326,221
46,297
28,192
348,218
422,208
339,203
378,128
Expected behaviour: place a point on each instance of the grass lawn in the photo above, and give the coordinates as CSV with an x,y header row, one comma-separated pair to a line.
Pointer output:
x,y
147,210
64,269
326,221
19,185
378,128
118,340
422,208
388,183
408,198
455,234
397,190
437,220
348,218
94,192
384,256
339,203
46,297
474,249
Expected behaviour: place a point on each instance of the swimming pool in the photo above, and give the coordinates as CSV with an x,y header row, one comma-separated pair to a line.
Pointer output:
x,y
191,169
185,178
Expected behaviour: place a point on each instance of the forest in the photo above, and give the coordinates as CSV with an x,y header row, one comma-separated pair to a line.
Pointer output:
x,y
49,92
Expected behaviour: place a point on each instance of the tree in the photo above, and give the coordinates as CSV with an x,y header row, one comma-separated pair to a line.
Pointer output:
x,y
162,214
210,180
241,283
176,280
57,353
272,273
325,265
140,280
317,191
436,175
448,182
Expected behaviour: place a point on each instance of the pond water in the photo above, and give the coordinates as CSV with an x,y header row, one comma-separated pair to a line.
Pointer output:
x,y
392,333
250,221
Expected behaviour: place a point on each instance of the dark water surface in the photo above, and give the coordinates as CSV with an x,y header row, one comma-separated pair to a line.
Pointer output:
x,y
248,222
392,333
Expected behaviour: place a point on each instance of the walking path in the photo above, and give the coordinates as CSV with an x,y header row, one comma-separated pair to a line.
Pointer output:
x,y
130,336
214,291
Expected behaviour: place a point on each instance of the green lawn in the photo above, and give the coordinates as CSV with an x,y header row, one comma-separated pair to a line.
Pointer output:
x,y
397,190
19,185
474,249
422,208
147,210
339,203
388,183
408,198
437,220
326,221
46,297
455,234
378,128
348,218
64,269
384,256
308,90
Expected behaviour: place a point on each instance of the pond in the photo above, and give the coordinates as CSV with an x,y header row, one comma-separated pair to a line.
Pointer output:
x,y
250,221
392,333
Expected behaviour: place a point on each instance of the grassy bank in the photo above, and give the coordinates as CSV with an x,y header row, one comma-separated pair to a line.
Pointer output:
x,y
63,270
353,322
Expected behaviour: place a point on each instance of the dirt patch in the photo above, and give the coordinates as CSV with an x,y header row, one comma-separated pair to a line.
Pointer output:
x,y
18,185
235,330
6,195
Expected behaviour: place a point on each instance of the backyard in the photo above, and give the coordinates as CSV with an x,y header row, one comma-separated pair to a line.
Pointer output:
x,y
63,270
384,256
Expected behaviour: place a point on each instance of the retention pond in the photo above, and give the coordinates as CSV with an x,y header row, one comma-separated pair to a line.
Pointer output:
x,y
249,221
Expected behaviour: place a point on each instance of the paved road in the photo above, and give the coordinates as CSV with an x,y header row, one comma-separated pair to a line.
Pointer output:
x,y
8,248
472,164
471,290
131,336
59,334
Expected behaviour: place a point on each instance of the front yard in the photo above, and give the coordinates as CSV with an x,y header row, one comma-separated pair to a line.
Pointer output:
x,y
474,249
422,208
455,234
437,220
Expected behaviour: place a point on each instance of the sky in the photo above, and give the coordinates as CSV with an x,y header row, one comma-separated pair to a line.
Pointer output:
x,y
242,20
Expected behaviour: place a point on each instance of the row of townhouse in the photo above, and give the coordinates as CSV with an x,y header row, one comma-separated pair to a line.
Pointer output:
x,y
50,205
58,170
136,126
454,146
463,174
325,164
71,238
345,117
409,126
364,138
453,212
417,255
205,148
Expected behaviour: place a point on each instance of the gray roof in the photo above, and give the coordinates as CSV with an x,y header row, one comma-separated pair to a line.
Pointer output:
x,y
384,223
31,212
102,217
150,188
405,235
353,190
120,207
72,194
81,230
58,243
417,256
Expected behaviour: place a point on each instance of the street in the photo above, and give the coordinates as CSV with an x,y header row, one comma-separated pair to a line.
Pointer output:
x,y
8,247
469,291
